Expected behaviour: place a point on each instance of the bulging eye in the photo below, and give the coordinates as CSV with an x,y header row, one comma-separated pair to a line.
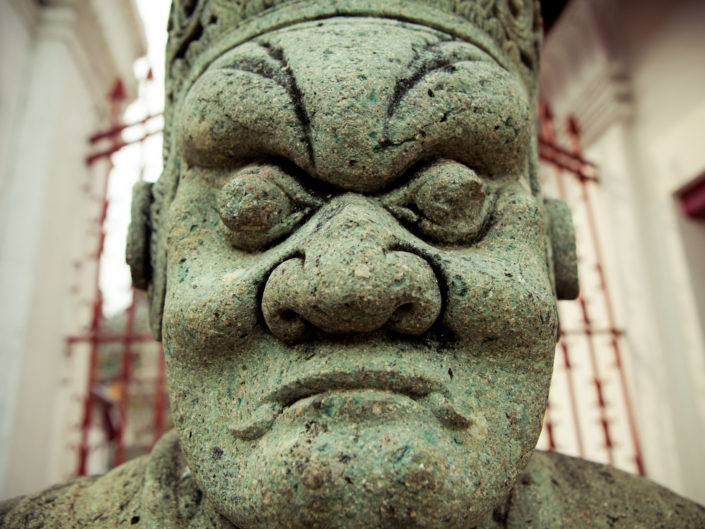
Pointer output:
x,y
260,204
251,202
451,193
447,201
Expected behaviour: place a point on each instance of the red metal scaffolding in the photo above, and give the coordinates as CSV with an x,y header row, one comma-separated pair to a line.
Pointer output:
x,y
115,412
567,175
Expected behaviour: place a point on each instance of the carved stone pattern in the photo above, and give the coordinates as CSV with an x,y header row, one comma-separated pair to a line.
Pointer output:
x,y
513,24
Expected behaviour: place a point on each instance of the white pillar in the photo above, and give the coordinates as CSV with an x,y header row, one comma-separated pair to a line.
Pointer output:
x,y
48,196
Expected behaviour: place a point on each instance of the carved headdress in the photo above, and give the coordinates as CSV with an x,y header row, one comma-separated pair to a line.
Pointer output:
x,y
510,30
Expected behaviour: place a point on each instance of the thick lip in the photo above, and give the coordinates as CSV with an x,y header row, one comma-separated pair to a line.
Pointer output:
x,y
413,386
426,391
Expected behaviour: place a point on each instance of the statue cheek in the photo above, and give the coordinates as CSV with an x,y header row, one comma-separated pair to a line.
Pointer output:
x,y
491,304
209,318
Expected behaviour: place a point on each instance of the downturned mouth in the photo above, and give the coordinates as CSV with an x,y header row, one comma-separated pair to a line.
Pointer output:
x,y
425,391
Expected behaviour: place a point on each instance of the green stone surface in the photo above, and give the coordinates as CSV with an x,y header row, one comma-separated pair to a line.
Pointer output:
x,y
158,491
354,277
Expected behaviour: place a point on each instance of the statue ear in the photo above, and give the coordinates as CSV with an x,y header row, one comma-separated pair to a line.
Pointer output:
x,y
139,235
561,233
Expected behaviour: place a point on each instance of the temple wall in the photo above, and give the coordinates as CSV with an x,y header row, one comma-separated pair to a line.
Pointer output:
x,y
634,75
59,62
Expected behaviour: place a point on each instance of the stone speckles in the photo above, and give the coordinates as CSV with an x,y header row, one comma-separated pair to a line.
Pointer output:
x,y
347,210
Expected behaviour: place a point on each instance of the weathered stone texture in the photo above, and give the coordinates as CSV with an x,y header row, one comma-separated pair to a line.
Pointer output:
x,y
354,276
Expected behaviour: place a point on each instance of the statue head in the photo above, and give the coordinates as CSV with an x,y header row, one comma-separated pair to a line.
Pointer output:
x,y
350,264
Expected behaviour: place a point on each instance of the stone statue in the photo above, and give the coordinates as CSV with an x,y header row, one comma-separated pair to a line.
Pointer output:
x,y
354,277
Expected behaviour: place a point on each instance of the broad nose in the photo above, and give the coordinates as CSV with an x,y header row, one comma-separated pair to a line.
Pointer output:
x,y
349,280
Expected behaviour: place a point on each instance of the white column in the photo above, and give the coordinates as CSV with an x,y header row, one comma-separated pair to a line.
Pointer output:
x,y
22,210
49,204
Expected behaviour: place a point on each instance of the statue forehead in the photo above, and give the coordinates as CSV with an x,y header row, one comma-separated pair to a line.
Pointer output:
x,y
201,30
401,93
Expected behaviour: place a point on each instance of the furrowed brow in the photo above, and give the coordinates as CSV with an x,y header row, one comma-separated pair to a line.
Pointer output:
x,y
276,68
431,59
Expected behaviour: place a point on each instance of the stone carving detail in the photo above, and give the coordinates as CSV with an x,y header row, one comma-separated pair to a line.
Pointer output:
x,y
354,276
513,24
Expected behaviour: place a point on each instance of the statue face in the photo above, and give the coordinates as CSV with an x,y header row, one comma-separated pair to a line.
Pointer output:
x,y
359,322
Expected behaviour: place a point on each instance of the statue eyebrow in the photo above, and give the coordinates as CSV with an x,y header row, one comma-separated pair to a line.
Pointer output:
x,y
405,84
423,64
283,75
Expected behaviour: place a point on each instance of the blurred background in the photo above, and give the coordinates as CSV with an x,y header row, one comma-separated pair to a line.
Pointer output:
x,y
622,139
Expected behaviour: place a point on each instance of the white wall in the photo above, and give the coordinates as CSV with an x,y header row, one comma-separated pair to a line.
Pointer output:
x,y
57,69
634,74
16,35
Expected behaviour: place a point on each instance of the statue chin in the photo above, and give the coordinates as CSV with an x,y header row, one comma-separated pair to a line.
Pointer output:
x,y
390,470
310,482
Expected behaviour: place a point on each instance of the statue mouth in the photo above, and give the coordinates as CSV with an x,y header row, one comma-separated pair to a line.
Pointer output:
x,y
424,391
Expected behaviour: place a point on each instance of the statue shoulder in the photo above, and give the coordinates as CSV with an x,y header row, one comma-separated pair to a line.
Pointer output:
x,y
151,489
75,503
562,491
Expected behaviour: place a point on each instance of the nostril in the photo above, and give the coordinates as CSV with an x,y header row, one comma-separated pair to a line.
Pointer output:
x,y
403,310
288,316
418,296
287,325
411,318
280,301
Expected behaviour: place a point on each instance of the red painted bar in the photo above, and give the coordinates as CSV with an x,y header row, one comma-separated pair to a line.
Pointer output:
x,y
574,134
125,375
548,135
117,98
692,198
